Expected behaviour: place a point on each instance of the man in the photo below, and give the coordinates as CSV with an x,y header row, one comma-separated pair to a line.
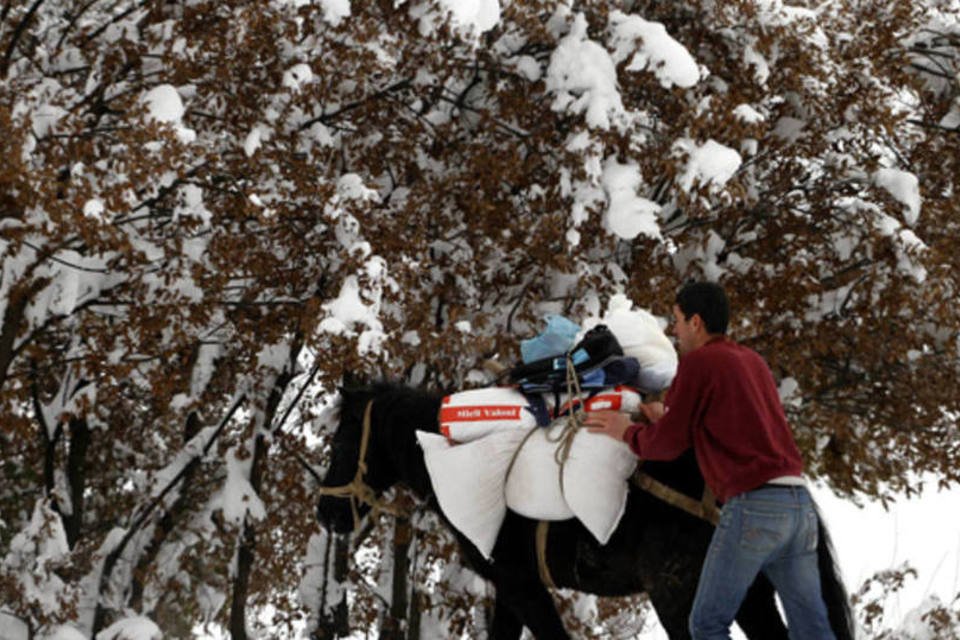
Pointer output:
x,y
724,403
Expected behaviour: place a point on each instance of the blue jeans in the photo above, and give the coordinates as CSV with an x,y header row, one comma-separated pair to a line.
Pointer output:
x,y
772,529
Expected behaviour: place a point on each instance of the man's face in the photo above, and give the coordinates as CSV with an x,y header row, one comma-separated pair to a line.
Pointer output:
x,y
685,330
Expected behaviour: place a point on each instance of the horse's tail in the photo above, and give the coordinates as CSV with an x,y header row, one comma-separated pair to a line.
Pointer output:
x,y
831,585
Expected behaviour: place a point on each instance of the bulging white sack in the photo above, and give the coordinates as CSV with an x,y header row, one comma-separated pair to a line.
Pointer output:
x,y
595,476
533,486
641,337
469,415
595,481
468,480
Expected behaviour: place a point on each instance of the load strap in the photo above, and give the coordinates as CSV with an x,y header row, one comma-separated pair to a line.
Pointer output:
x,y
705,508
543,528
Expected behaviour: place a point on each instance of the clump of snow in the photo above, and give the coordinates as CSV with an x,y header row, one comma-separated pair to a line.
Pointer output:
x,y
789,128
903,186
658,52
274,356
952,119
529,68
237,498
753,58
334,11
746,113
628,215
33,552
789,392
906,242
192,206
297,76
473,15
93,209
348,310
45,117
14,628
132,628
583,77
350,187
65,632
254,139
164,105
710,163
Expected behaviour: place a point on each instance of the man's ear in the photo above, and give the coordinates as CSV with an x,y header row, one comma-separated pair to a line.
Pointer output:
x,y
697,322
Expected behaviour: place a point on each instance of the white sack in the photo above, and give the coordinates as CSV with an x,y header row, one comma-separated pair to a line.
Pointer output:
x,y
595,481
533,487
641,337
595,477
468,480
473,414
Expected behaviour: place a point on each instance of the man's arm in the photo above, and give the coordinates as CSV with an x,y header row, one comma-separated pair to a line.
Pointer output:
x,y
670,433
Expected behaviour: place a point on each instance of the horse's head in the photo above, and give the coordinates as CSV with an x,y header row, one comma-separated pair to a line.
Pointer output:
x,y
361,468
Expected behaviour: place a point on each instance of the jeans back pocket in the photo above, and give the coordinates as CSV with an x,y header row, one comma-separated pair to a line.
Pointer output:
x,y
764,531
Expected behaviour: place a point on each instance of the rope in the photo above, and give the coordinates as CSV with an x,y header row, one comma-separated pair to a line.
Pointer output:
x,y
574,422
543,528
567,432
357,490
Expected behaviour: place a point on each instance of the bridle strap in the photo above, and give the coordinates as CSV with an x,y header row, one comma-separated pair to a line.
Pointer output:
x,y
357,490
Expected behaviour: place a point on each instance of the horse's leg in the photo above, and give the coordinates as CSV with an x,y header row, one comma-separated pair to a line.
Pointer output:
x,y
758,615
672,604
505,625
531,604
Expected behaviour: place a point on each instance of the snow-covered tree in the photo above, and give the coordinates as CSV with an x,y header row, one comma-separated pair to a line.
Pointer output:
x,y
210,213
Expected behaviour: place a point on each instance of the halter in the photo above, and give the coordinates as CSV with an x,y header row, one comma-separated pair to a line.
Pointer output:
x,y
357,490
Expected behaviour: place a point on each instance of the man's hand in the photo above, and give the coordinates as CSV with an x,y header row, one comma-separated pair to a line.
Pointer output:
x,y
611,423
653,411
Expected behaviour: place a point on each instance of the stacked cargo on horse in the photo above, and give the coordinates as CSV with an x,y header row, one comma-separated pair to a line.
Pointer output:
x,y
520,446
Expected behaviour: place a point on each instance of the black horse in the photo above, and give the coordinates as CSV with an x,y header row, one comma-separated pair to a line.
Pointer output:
x,y
657,548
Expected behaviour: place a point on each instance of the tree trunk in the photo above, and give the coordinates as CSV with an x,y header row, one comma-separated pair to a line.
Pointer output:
x,y
335,623
167,522
395,623
17,301
76,477
416,608
248,535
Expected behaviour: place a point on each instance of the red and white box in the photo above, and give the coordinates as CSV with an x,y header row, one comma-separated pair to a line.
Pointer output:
x,y
621,398
469,415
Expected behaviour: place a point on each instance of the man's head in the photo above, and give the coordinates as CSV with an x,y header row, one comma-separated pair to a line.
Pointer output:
x,y
700,312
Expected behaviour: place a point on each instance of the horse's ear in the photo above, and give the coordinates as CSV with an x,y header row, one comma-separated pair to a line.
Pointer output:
x,y
351,380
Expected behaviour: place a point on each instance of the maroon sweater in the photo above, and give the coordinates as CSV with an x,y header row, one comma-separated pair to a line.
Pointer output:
x,y
723,402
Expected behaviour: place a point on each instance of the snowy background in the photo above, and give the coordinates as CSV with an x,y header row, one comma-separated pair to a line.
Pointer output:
x,y
212,214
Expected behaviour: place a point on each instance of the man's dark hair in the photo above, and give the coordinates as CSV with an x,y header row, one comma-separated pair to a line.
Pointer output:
x,y
707,300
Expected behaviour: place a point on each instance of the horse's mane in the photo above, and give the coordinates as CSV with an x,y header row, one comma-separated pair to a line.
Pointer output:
x,y
392,401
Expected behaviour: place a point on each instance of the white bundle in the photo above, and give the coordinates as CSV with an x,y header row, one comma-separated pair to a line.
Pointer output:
x,y
595,482
468,481
594,487
474,491
641,337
